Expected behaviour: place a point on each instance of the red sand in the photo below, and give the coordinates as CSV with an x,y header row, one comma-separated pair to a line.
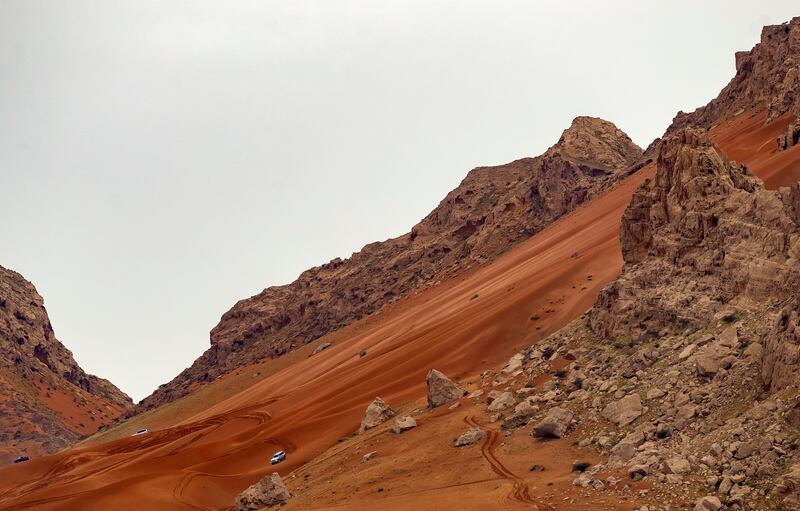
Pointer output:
x,y
748,140
205,460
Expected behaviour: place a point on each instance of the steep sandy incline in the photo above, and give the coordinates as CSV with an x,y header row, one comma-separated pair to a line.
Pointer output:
x,y
490,211
47,402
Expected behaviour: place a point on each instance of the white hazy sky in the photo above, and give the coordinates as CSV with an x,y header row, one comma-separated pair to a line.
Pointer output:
x,y
161,159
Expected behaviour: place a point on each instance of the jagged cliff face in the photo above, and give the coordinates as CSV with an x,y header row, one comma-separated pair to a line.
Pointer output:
x,y
47,401
491,210
767,76
704,236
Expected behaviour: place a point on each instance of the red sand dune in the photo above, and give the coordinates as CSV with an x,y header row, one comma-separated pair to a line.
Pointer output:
x,y
461,327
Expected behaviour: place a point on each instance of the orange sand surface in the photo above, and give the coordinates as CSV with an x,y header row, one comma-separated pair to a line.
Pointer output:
x,y
309,407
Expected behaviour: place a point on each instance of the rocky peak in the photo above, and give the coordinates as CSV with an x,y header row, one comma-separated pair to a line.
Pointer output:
x,y
37,372
768,75
599,142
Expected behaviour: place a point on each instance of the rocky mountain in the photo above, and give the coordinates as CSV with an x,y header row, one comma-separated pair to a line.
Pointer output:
x,y
768,76
47,401
492,209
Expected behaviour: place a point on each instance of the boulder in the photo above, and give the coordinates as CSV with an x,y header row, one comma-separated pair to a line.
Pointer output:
x,y
687,352
402,424
441,389
706,365
514,364
678,465
268,492
708,503
503,401
469,437
788,487
520,417
624,411
555,424
622,453
377,413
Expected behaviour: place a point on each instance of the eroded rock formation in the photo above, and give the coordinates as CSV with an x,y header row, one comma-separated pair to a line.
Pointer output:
x,y
703,235
768,76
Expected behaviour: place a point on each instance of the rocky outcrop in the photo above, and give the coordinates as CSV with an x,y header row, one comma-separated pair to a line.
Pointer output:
x,y
791,137
704,235
39,376
555,424
268,492
377,413
491,210
768,75
781,355
441,389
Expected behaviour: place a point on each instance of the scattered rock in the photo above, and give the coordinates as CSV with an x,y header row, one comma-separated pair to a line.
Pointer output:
x,y
624,411
555,424
514,364
402,424
321,347
441,389
268,492
469,437
788,486
377,413
678,466
709,503
503,401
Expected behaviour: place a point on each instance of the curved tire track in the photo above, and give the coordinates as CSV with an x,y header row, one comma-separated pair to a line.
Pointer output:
x,y
520,491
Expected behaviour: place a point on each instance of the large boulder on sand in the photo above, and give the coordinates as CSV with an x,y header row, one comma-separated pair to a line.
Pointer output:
x,y
554,425
268,492
377,412
441,389
624,411
404,423
469,437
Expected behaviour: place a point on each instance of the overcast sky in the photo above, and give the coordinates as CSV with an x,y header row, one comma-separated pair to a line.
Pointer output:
x,y
162,160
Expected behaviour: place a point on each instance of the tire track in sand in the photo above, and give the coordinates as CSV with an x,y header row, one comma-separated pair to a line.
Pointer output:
x,y
520,491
